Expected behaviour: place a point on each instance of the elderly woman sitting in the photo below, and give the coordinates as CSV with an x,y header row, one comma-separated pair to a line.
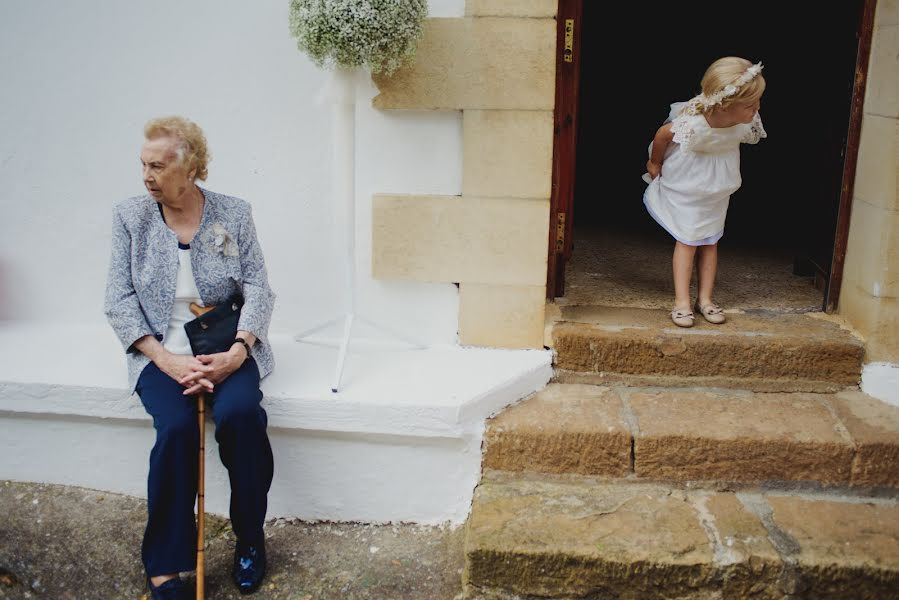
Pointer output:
x,y
176,245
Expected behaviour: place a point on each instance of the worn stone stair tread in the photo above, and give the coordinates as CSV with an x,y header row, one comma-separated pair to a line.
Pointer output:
x,y
842,439
544,536
766,351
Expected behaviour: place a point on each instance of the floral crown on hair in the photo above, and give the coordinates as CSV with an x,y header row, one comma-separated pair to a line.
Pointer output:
x,y
700,102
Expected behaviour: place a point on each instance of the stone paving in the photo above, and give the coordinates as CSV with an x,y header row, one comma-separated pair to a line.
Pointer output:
x,y
574,537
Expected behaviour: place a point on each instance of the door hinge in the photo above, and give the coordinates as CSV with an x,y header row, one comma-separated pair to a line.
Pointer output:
x,y
560,232
568,53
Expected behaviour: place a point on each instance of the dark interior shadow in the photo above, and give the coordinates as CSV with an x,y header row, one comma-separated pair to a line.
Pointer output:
x,y
791,180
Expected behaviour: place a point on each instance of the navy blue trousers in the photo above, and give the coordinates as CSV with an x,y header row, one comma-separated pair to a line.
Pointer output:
x,y
170,540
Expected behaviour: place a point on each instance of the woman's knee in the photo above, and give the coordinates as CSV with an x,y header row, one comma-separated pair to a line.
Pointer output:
x,y
238,398
178,425
240,413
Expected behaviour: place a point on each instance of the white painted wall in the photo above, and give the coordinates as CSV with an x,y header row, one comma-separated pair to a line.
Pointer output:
x,y
401,441
881,380
446,8
80,79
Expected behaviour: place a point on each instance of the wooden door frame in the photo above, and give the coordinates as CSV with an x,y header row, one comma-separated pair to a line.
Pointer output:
x,y
850,156
568,62
568,68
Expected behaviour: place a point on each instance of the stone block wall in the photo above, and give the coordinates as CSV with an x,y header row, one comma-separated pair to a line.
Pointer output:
x,y
497,66
870,294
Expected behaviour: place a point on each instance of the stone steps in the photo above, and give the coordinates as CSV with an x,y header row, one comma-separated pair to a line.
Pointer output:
x,y
732,461
762,351
846,439
544,536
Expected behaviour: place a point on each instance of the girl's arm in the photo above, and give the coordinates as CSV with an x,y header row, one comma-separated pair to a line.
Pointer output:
x,y
660,143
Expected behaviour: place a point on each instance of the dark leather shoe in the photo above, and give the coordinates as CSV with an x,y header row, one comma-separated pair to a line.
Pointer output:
x,y
249,567
173,589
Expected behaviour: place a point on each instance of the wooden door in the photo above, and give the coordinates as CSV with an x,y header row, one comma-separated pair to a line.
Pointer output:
x,y
569,28
850,155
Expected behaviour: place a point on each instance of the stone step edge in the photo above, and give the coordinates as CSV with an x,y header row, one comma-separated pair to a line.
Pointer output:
x,y
853,457
585,348
740,544
752,384
716,486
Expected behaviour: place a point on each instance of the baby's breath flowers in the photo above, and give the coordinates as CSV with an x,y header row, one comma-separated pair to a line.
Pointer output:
x,y
379,35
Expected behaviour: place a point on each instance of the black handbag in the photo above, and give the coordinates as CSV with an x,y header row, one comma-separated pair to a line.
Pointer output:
x,y
215,329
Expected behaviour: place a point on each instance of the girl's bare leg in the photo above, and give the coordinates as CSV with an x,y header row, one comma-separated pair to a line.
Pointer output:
x,y
682,262
707,266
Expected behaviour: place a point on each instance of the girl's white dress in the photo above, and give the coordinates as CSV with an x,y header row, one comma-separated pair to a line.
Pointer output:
x,y
700,171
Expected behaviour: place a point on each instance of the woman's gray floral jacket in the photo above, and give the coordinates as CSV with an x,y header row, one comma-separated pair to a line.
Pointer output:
x,y
226,258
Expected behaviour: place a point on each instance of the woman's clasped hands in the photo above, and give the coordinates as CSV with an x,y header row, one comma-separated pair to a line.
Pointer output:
x,y
200,373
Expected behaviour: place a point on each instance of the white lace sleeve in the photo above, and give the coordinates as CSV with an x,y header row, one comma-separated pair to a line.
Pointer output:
x,y
754,131
676,109
684,131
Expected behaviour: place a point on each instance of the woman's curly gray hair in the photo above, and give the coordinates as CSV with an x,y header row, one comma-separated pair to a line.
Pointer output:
x,y
191,142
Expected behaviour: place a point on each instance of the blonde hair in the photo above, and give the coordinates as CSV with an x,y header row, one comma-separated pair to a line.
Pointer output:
x,y
190,142
726,71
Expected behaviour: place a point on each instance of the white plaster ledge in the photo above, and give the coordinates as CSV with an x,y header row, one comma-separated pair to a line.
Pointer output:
x,y
881,380
444,391
400,442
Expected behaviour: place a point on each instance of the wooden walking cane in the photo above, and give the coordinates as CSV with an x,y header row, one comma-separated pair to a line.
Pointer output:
x,y
198,310
201,515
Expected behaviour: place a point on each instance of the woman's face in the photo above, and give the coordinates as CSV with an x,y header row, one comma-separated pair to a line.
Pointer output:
x,y
164,176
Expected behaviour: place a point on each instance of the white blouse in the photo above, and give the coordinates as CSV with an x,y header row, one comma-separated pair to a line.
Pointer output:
x,y
175,340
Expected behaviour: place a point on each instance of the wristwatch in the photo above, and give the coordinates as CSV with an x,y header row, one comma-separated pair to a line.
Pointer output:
x,y
246,345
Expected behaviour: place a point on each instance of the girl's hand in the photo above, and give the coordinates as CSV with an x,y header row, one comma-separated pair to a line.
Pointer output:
x,y
215,369
180,367
653,169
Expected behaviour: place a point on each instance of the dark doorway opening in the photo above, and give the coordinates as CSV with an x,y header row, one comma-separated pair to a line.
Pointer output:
x,y
786,210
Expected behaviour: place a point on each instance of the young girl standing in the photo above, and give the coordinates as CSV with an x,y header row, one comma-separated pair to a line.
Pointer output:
x,y
694,167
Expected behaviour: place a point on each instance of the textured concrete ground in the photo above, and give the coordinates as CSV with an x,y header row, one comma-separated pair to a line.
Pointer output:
x,y
66,542
633,269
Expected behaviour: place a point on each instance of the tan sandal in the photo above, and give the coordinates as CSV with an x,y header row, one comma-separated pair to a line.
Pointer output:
x,y
682,317
712,313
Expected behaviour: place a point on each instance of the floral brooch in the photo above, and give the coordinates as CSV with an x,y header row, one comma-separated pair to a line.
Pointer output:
x,y
221,241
